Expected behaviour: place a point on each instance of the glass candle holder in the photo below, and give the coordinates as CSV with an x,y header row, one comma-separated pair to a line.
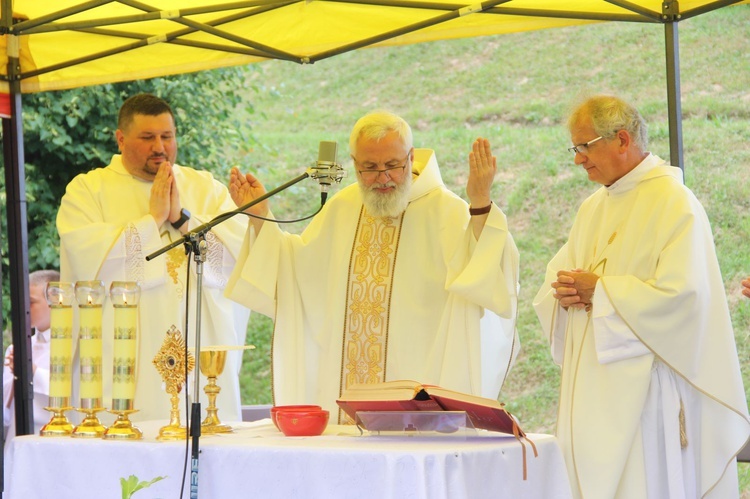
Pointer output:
x,y
60,297
124,296
90,296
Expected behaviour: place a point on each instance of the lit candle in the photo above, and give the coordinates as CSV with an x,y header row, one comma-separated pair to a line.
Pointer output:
x,y
124,296
90,295
60,296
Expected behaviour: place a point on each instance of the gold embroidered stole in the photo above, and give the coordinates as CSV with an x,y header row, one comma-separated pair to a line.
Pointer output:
x,y
368,299
176,266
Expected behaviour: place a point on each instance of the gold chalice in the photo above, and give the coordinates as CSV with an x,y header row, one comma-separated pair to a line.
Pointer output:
x,y
212,360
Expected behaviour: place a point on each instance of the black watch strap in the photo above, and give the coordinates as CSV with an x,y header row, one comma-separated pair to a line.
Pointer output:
x,y
184,217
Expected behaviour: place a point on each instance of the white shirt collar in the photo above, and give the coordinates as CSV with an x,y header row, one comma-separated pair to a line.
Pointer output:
x,y
42,336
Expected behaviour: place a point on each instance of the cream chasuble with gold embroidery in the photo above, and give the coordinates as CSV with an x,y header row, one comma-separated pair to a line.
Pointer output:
x,y
651,401
106,232
411,298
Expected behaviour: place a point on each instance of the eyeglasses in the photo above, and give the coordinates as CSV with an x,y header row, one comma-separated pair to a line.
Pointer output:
x,y
583,148
392,169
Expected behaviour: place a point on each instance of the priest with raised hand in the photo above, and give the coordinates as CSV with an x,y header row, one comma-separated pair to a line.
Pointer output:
x,y
652,403
396,278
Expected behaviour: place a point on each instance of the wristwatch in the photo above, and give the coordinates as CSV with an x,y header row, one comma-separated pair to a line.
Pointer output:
x,y
184,217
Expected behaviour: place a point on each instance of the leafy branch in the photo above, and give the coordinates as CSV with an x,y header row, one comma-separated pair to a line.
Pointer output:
x,y
131,485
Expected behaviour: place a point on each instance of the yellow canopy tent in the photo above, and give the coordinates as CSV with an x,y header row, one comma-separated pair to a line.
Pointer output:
x,y
61,44
69,43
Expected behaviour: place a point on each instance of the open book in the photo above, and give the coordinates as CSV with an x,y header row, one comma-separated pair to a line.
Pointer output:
x,y
407,395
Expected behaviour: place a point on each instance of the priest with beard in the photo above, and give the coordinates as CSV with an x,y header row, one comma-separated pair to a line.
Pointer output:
x,y
396,278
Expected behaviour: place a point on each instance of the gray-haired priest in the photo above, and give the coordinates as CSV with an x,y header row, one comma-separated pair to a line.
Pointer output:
x,y
651,399
396,278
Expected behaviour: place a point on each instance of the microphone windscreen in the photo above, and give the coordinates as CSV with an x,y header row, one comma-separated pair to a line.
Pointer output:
x,y
327,152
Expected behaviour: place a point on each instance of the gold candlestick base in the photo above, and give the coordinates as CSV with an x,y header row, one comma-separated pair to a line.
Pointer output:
x,y
58,425
123,428
170,432
208,427
90,427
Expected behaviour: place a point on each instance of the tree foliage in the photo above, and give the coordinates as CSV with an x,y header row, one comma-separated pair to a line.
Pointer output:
x,y
71,132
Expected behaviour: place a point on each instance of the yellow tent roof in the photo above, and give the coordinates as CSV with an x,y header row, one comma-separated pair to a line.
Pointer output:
x,y
68,43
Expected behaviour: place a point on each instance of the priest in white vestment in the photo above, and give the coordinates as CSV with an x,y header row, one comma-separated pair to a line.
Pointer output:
x,y
111,218
652,403
396,278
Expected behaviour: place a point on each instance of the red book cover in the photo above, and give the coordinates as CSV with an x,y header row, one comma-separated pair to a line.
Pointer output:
x,y
407,395
482,416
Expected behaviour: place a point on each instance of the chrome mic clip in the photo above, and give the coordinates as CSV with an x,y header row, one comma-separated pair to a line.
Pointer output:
x,y
326,170
326,175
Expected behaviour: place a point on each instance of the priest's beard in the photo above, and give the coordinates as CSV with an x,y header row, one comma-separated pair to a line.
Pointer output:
x,y
390,204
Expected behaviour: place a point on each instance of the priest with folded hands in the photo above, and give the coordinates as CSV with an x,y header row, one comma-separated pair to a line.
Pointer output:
x,y
396,277
652,403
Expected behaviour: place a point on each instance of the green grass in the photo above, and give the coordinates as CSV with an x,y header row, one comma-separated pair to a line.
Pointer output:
x,y
516,90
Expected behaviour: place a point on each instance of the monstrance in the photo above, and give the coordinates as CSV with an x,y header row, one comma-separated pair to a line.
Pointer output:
x,y
170,361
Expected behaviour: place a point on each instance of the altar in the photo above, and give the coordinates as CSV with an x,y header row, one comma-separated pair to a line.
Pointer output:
x,y
257,461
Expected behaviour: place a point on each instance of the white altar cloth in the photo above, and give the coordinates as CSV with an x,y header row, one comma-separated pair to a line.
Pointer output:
x,y
258,461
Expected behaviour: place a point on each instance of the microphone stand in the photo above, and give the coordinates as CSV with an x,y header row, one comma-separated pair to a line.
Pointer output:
x,y
195,242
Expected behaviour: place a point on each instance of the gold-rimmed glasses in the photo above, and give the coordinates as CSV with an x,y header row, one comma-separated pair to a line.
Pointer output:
x,y
393,169
584,147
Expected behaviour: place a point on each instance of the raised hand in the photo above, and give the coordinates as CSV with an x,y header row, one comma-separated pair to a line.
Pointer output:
x,y
246,188
482,169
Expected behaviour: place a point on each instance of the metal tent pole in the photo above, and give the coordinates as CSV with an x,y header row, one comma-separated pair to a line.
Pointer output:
x,y
15,191
15,187
670,11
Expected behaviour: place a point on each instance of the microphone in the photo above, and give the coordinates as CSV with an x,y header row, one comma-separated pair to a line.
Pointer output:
x,y
326,170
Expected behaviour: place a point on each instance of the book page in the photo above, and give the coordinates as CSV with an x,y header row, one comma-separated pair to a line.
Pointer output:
x,y
465,397
389,390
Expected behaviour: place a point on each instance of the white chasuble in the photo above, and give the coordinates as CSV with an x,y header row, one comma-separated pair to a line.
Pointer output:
x,y
651,401
412,298
106,232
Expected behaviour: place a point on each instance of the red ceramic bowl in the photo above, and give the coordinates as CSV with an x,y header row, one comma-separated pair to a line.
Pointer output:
x,y
278,408
302,423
